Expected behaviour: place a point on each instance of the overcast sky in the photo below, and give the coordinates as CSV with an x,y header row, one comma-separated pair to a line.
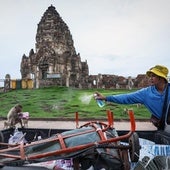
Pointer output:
x,y
121,37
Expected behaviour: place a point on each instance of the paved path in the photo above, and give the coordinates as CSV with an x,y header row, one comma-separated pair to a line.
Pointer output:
x,y
119,125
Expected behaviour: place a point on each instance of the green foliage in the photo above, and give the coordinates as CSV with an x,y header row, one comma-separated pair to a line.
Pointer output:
x,y
62,102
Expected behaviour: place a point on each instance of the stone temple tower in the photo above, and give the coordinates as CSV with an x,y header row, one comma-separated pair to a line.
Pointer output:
x,y
55,61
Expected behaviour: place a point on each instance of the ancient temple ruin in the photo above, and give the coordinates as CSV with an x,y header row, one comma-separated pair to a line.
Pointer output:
x,y
55,61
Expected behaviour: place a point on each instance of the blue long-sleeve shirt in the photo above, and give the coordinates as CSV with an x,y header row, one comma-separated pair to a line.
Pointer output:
x,y
149,96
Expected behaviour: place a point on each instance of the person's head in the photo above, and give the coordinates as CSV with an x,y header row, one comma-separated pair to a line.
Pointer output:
x,y
158,73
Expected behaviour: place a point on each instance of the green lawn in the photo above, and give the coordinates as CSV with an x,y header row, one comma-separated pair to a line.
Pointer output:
x,y
62,102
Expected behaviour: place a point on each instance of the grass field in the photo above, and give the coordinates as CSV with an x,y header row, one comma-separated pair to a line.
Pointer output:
x,y
62,102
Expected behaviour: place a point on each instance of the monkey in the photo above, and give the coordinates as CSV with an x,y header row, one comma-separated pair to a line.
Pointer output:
x,y
6,125
25,122
14,116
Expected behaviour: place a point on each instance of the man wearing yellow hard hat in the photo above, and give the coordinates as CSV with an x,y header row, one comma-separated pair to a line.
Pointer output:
x,y
156,97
